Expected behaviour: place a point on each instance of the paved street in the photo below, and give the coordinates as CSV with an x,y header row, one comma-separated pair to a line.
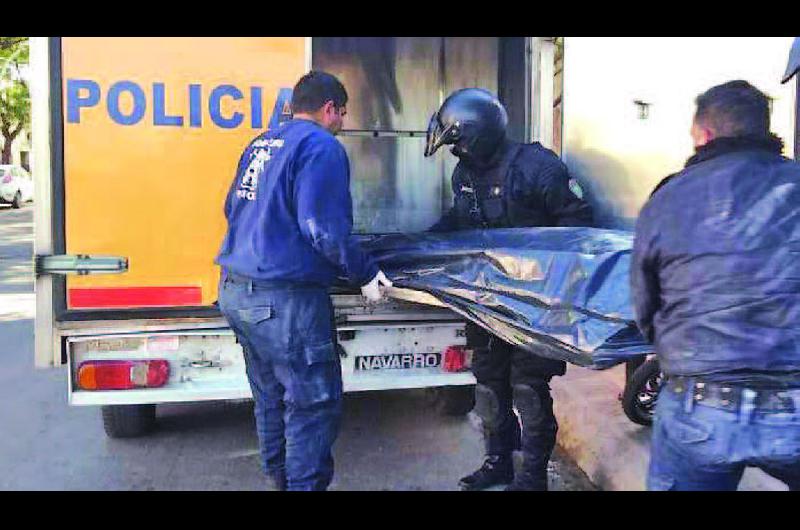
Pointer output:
x,y
389,441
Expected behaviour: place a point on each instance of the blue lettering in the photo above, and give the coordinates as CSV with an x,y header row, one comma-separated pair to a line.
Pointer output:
x,y
215,110
256,111
75,101
82,93
195,112
159,108
139,103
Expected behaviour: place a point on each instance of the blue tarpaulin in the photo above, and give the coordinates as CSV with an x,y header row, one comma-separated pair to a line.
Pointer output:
x,y
559,292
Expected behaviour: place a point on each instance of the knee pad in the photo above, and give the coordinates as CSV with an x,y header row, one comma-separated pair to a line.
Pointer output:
x,y
487,406
528,404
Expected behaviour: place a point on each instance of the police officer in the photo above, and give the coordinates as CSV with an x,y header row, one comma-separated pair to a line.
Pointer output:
x,y
499,183
289,214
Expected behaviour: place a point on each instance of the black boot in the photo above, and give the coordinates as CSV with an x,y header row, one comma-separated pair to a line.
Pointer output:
x,y
532,476
497,469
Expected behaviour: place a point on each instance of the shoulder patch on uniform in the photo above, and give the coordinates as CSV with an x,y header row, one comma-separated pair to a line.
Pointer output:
x,y
575,188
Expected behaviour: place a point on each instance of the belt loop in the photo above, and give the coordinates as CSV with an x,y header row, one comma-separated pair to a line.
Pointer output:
x,y
688,396
250,287
747,406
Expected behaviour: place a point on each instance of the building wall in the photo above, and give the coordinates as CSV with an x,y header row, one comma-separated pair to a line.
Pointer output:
x,y
21,149
619,156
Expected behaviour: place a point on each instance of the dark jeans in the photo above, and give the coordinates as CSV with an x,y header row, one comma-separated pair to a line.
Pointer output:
x,y
500,366
287,335
697,447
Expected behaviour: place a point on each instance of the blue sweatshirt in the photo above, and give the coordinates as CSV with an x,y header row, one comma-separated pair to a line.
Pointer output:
x,y
290,213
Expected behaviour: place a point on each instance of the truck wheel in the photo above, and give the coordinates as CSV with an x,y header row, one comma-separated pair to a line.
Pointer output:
x,y
16,202
454,400
641,393
128,421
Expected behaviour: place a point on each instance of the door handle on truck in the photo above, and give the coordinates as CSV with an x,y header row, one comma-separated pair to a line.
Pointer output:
x,y
80,264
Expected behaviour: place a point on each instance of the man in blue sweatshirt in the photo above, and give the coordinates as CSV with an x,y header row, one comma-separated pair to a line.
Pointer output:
x,y
289,214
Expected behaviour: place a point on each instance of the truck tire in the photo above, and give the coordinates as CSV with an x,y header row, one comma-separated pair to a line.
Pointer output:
x,y
128,421
641,392
16,202
454,400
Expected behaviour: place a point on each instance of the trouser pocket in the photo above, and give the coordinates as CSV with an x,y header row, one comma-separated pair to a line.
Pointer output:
x,y
316,375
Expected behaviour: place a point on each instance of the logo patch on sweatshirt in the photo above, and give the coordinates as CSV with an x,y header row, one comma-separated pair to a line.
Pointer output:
x,y
261,154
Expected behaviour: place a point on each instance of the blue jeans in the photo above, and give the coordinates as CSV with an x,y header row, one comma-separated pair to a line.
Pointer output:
x,y
287,335
697,447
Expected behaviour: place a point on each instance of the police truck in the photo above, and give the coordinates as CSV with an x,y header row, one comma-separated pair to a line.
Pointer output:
x,y
136,140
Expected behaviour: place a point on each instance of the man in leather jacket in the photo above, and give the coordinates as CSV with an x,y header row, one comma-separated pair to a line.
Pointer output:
x,y
499,183
714,278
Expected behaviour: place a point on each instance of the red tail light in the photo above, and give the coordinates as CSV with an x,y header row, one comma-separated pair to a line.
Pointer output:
x,y
455,359
123,375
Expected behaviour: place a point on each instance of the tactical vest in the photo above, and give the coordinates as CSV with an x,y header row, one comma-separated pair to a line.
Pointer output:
x,y
482,200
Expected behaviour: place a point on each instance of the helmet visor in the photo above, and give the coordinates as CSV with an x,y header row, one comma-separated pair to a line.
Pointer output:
x,y
438,136
433,139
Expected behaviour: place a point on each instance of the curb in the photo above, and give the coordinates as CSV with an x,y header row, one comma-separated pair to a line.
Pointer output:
x,y
613,451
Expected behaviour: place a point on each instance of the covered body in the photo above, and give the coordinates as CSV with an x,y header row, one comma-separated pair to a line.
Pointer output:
x,y
558,292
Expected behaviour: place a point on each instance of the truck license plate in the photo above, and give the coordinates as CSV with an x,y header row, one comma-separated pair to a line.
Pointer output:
x,y
398,361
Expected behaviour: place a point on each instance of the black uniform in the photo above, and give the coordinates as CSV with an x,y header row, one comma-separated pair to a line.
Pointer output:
x,y
521,185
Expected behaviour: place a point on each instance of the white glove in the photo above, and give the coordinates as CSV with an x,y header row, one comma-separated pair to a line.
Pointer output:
x,y
372,291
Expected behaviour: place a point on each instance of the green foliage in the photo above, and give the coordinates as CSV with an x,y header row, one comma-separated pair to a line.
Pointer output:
x,y
14,54
15,100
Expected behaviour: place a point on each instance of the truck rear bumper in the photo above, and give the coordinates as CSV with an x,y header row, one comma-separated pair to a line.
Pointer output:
x,y
208,365
240,389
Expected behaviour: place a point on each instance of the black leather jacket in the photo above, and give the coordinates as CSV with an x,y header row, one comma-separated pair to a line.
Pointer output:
x,y
715,272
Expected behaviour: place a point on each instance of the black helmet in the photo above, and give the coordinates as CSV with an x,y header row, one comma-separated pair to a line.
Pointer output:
x,y
794,61
472,120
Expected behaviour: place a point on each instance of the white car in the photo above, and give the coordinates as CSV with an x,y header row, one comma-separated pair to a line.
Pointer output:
x,y
16,186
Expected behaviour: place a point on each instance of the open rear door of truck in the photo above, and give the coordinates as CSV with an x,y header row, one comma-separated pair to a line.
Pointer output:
x,y
137,141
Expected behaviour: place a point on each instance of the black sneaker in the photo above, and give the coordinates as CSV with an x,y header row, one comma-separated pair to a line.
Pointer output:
x,y
495,470
528,482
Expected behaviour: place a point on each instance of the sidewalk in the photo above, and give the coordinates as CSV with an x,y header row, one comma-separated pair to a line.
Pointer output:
x,y
612,450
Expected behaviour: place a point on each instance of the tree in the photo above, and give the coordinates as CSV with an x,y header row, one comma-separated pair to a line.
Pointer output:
x,y
15,99
10,42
